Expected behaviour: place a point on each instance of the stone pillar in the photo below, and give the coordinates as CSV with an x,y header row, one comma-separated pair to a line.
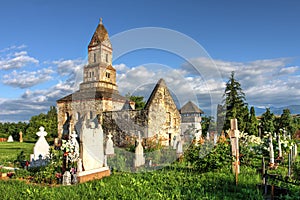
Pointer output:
x,y
21,136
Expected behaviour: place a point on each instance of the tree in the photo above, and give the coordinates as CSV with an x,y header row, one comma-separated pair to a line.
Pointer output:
x,y
139,102
286,121
234,104
48,121
267,121
208,124
252,127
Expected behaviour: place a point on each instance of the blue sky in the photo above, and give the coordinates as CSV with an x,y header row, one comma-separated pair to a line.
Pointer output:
x,y
43,46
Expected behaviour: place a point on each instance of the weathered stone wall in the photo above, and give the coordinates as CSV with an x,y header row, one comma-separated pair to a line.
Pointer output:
x,y
124,125
72,113
163,116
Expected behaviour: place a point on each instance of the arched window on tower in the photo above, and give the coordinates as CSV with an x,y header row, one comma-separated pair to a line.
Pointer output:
x,y
94,57
106,57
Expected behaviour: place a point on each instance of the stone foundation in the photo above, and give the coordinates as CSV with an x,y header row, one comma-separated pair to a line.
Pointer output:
x,y
85,176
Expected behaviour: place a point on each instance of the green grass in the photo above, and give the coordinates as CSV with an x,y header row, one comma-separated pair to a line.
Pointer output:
x,y
10,150
172,183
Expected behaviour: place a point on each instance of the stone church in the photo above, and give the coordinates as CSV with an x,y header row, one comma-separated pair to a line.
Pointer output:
x,y
98,100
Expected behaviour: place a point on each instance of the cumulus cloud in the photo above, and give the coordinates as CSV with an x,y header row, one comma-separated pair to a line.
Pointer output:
x,y
17,59
25,79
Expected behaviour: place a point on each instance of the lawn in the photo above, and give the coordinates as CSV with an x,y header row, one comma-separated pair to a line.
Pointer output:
x,y
167,183
10,150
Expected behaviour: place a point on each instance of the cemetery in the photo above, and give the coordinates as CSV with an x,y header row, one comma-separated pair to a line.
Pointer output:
x,y
97,145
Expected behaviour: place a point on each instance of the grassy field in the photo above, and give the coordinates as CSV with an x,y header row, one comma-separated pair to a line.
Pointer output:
x,y
10,150
168,183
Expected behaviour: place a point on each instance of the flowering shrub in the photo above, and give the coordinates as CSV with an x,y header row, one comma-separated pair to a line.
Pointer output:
x,y
71,150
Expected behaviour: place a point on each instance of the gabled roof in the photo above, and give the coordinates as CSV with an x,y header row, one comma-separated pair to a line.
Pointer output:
x,y
190,107
160,83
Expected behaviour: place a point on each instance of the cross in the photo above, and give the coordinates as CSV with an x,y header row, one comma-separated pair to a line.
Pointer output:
x,y
42,132
100,20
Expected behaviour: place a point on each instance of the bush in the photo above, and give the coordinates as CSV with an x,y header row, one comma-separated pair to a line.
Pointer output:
x,y
207,157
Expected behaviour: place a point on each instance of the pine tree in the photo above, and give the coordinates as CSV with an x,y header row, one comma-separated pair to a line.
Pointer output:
x,y
234,104
286,121
252,127
267,121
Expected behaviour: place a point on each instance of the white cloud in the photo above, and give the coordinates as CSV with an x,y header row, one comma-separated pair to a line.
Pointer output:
x,y
25,79
16,60
288,70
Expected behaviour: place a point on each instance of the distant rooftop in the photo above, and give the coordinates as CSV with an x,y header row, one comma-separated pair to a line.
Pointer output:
x,y
190,107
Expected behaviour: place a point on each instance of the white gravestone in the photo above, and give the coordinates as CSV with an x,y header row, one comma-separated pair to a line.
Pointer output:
x,y
179,150
279,146
92,147
271,150
67,178
109,150
198,136
215,138
74,140
139,154
10,139
41,147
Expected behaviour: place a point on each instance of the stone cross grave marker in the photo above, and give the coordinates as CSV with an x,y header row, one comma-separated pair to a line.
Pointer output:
x,y
41,147
234,139
139,153
109,150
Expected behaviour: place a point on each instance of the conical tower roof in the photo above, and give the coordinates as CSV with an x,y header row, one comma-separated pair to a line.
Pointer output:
x,y
100,34
190,107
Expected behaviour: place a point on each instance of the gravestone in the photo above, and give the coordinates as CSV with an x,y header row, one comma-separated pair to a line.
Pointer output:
x,y
67,178
109,150
234,140
92,147
139,153
271,151
179,150
92,154
10,139
20,136
41,147
215,138
198,134
279,146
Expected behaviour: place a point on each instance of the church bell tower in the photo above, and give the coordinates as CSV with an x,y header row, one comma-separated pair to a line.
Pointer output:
x,y
99,74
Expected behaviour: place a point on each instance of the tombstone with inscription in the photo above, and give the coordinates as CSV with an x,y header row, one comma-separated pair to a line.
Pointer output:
x,y
139,153
92,154
92,147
